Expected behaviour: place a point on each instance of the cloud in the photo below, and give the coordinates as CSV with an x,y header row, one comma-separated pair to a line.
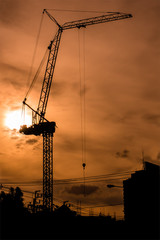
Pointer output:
x,y
81,189
119,92
15,137
58,88
10,71
158,156
31,141
7,16
152,118
123,154
10,67
18,145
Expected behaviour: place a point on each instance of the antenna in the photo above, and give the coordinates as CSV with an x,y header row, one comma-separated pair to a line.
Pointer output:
x,y
143,159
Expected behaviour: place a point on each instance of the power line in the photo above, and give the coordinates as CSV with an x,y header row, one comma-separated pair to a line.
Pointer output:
x,y
9,187
73,205
26,196
97,178
104,205
89,181
69,182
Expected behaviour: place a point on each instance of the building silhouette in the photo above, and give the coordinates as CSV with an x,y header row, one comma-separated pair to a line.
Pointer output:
x,y
141,198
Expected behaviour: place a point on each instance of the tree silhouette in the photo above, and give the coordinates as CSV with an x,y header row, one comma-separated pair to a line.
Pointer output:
x,y
11,204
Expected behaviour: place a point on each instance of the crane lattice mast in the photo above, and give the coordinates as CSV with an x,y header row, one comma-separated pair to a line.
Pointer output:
x,y
40,125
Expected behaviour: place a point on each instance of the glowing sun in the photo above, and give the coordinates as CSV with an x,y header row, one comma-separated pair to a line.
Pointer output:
x,y
14,120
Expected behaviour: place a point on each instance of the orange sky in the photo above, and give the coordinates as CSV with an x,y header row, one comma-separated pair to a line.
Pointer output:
x,y
122,91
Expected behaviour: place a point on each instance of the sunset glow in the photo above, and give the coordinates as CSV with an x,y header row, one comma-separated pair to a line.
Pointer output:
x,y
14,120
104,98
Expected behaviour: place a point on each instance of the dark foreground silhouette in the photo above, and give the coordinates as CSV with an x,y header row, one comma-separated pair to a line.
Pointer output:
x,y
18,223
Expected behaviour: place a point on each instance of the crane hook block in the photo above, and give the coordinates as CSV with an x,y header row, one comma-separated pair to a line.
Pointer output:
x,y
83,165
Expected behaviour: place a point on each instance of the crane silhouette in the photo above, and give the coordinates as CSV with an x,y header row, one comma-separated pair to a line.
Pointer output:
x,y
40,125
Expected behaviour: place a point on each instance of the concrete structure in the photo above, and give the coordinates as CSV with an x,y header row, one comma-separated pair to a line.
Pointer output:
x,y
142,196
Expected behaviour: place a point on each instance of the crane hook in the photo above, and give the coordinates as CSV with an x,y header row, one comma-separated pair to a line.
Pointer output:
x,y
83,165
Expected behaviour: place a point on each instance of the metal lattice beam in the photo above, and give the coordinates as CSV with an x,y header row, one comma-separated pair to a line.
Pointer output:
x,y
54,46
96,20
47,170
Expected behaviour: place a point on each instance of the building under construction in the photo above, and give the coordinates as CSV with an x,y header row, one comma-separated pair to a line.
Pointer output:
x,y
142,198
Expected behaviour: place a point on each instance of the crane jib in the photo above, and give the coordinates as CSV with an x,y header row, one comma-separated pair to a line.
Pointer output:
x,y
54,46
95,20
46,86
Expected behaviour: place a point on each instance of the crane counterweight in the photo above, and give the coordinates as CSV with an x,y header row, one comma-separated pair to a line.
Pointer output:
x,y
38,129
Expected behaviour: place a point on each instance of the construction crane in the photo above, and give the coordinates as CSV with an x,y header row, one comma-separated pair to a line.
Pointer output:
x,y
40,125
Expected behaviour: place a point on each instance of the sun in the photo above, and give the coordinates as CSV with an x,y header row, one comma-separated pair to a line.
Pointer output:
x,y
14,120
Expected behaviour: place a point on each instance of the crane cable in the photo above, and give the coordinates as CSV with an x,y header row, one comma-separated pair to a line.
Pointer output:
x,y
37,73
32,84
34,53
31,69
82,85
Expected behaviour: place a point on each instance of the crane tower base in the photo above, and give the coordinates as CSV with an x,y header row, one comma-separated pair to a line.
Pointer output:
x,y
46,129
